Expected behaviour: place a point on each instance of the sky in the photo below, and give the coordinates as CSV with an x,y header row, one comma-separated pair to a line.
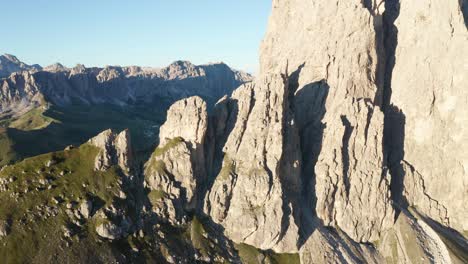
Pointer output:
x,y
139,32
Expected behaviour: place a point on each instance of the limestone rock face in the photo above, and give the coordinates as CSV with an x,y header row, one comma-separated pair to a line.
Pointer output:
x,y
176,169
115,150
340,122
254,195
109,230
86,208
430,109
312,157
352,188
188,119
19,93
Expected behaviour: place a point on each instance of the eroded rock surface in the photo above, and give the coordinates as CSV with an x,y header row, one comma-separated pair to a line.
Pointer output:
x,y
255,194
176,169
341,123
432,108
115,150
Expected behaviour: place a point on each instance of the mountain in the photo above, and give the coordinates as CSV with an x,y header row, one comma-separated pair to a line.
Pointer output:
x,y
10,64
116,85
348,147
57,106
343,148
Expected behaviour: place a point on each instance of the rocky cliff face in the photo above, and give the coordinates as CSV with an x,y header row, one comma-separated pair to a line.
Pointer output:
x,y
61,86
176,169
429,109
340,122
350,136
115,150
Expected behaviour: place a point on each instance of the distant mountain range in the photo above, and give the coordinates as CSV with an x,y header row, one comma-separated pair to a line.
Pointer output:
x,y
44,109
26,86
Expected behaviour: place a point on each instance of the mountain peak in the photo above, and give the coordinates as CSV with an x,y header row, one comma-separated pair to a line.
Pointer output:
x,y
56,67
10,63
10,58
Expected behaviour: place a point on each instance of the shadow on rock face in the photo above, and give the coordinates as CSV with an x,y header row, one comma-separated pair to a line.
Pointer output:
x,y
464,10
394,142
309,110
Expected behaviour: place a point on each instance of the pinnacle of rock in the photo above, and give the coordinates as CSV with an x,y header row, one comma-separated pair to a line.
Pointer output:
x,y
115,149
176,170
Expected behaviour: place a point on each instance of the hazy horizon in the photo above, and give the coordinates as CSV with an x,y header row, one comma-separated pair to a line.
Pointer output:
x,y
91,33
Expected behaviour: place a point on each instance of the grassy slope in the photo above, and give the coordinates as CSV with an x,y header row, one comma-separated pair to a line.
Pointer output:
x,y
38,131
35,237
251,255
32,120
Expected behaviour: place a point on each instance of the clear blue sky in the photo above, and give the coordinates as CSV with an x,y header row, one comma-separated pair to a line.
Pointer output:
x,y
140,32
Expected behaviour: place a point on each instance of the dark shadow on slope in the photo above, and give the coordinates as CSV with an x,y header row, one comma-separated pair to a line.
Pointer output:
x,y
394,120
455,242
345,151
394,140
390,41
309,106
220,125
289,168
464,9
78,123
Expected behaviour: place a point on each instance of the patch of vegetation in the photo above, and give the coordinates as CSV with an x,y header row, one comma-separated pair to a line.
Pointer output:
x,y
155,195
34,119
155,165
249,254
7,153
198,235
227,169
253,255
169,145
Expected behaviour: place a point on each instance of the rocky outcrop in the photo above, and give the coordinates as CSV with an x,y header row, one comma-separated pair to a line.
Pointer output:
x,y
340,122
108,230
428,110
10,64
4,228
115,149
255,194
19,93
176,169
306,139
352,186
117,85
